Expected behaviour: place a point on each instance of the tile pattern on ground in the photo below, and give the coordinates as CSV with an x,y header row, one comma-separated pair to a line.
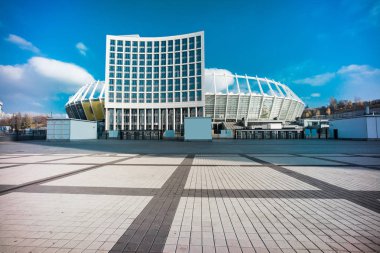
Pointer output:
x,y
30,172
272,225
88,160
226,208
154,160
350,178
295,160
37,221
222,160
357,160
234,177
34,158
119,176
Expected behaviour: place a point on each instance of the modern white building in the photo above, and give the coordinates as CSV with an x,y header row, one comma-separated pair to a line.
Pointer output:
x,y
153,83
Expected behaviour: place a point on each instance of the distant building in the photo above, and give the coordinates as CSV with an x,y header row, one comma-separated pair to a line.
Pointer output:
x,y
365,127
153,83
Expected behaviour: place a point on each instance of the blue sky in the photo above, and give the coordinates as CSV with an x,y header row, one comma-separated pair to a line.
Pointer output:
x,y
318,48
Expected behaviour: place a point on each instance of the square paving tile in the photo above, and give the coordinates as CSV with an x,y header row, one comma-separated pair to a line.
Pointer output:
x,y
119,176
33,159
66,222
223,160
151,159
233,177
88,160
350,178
296,160
30,172
274,225
358,160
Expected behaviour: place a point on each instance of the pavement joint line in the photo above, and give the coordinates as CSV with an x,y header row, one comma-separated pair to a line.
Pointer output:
x,y
337,161
59,176
89,190
375,167
238,193
64,158
10,166
149,230
360,155
367,202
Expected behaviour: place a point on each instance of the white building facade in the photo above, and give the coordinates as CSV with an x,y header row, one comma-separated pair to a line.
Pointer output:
x,y
153,83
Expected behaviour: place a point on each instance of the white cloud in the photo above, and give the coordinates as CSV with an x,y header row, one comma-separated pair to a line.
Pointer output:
x,y
352,81
315,95
22,43
35,84
82,48
221,81
359,81
317,80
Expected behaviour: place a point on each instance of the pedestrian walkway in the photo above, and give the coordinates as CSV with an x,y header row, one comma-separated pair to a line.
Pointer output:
x,y
245,202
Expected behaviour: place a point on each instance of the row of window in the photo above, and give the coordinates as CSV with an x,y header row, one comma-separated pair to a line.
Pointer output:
x,y
149,88
155,69
184,80
169,72
156,59
156,46
155,97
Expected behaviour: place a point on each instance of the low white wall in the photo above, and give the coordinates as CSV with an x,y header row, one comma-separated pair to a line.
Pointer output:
x,y
71,129
373,127
58,129
83,130
367,127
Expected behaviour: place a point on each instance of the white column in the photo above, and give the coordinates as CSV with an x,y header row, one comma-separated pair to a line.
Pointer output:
x,y
174,119
152,119
159,119
181,120
114,118
122,119
138,119
144,119
130,119
106,120
166,119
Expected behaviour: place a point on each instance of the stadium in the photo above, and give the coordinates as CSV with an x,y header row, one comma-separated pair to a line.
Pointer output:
x,y
154,83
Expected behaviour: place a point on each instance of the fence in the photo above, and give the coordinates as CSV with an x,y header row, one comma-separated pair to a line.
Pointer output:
x,y
269,134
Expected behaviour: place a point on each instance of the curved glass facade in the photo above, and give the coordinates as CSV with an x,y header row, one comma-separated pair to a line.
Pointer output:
x,y
153,83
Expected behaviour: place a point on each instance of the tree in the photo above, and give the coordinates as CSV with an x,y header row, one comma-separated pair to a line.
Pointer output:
x,y
26,121
16,121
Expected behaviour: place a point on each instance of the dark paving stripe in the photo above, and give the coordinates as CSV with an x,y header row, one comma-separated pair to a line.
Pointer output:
x,y
55,177
337,161
10,166
148,232
89,190
334,191
214,193
246,193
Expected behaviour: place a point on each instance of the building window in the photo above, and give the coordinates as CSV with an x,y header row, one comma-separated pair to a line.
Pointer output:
x,y
184,44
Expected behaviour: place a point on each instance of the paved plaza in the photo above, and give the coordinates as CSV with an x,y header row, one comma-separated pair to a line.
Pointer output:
x,y
308,196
